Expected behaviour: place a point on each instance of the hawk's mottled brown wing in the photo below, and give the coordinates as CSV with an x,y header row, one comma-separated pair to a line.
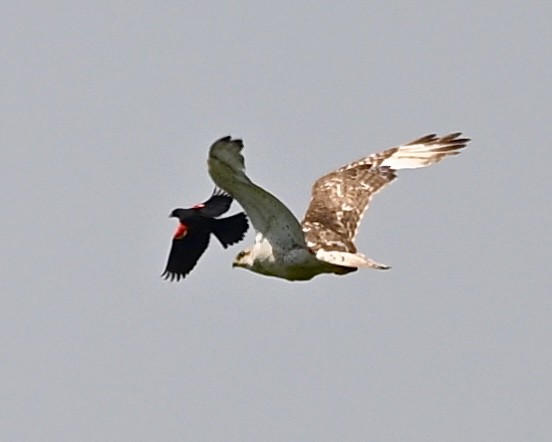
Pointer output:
x,y
340,198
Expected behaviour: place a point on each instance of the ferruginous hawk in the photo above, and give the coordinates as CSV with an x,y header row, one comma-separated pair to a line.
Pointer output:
x,y
324,241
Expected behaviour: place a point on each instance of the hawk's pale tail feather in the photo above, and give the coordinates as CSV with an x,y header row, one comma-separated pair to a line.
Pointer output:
x,y
346,259
424,151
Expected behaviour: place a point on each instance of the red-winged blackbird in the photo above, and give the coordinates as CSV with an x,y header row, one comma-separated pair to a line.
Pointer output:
x,y
196,225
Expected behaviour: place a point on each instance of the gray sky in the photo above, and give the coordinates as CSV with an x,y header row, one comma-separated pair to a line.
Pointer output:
x,y
108,110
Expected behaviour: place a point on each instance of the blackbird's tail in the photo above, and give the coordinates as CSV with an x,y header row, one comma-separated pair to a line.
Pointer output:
x,y
231,230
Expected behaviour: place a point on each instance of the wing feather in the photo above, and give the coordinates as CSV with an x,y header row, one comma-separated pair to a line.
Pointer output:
x,y
268,215
185,253
218,203
340,198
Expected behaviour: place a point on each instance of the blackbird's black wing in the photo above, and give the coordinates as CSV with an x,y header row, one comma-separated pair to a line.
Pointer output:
x,y
218,204
185,253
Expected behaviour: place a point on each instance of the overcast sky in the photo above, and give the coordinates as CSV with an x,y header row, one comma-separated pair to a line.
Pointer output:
x,y
107,113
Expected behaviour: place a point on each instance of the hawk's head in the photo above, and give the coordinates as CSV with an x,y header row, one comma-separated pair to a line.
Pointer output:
x,y
244,259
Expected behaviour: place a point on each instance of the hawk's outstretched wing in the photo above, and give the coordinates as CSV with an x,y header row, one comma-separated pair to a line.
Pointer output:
x,y
267,213
340,198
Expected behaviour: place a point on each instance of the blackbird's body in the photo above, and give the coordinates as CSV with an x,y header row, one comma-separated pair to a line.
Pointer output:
x,y
194,230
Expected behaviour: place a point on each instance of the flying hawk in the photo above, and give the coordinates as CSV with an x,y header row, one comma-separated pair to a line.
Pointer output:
x,y
194,229
324,241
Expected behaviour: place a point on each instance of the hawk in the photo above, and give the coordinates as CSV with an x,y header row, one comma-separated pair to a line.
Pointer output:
x,y
324,241
194,230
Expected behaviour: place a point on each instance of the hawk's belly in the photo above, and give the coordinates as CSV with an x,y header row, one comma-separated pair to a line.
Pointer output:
x,y
296,265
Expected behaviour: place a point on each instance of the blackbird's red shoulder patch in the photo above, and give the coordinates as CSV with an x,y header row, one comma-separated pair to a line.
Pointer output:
x,y
181,231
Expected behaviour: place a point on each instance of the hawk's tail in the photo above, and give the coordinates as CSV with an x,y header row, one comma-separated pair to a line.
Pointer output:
x,y
346,259
231,230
